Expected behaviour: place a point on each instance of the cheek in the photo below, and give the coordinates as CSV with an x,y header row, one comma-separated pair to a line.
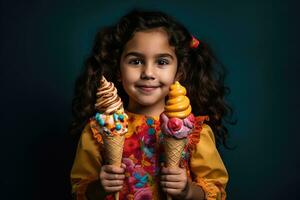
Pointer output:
x,y
129,77
170,75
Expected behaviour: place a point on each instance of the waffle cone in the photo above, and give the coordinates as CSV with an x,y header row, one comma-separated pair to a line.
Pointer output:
x,y
114,149
173,149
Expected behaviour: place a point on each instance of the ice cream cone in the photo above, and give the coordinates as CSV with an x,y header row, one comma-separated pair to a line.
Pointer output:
x,y
113,123
113,149
173,149
176,124
173,125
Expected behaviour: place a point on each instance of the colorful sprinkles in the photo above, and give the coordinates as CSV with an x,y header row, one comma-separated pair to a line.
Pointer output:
x,y
114,124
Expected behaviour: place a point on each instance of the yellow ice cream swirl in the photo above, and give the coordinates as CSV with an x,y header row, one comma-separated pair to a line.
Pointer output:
x,y
178,105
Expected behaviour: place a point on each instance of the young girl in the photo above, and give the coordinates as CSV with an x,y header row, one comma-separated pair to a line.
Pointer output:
x,y
143,54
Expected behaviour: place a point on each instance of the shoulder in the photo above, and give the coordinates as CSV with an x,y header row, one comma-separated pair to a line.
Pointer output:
x,y
88,139
206,131
203,140
205,153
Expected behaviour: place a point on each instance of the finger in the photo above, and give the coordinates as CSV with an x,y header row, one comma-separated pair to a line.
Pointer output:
x,y
113,183
110,176
174,171
123,165
171,191
172,185
113,169
171,178
113,189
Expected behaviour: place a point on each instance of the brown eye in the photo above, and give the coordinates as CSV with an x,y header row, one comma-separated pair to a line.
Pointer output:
x,y
163,62
135,62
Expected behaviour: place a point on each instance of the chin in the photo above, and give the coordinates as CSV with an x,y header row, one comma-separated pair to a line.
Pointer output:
x,y
149,102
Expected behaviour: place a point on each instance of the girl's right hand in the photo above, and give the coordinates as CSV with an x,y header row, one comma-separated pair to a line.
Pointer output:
x,y
112,177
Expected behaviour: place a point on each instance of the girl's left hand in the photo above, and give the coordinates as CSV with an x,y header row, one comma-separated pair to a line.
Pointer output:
x,y
175,182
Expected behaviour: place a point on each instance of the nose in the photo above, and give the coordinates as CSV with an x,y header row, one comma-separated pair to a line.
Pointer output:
x,y
148,72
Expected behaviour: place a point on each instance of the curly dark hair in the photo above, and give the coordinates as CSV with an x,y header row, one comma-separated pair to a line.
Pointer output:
x,y
201,73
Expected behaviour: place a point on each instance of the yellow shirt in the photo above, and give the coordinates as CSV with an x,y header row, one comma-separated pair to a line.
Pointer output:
x,y
205,165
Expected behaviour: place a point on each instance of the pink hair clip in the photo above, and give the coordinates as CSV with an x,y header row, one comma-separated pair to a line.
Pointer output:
x,y
195,42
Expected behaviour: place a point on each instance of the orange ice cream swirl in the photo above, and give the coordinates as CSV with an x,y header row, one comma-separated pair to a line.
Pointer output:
x,y
178,105
108,100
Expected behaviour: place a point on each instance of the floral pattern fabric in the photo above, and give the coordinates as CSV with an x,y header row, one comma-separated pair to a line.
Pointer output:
x,y
143,155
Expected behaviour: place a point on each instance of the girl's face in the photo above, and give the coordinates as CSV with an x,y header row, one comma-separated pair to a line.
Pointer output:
x,y
148,67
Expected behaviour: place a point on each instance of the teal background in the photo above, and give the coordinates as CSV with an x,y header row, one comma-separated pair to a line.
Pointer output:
x,y
44,44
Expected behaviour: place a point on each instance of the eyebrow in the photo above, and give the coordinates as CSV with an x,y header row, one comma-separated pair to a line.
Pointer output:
x,y
137,54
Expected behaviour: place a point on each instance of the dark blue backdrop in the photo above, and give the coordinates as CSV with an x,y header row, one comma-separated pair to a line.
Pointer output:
x,y
44,43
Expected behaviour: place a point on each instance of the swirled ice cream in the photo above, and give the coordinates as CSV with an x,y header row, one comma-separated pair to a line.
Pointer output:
x,y
177,120
110,116
178,105
108,100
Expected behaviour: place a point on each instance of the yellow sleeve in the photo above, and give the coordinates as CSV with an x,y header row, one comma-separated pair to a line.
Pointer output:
x,y
207,166
87,164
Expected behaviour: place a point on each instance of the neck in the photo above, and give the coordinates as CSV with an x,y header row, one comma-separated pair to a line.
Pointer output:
x,y
151,110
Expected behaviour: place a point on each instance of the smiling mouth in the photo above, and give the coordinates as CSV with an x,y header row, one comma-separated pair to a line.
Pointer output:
x,y
147,89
